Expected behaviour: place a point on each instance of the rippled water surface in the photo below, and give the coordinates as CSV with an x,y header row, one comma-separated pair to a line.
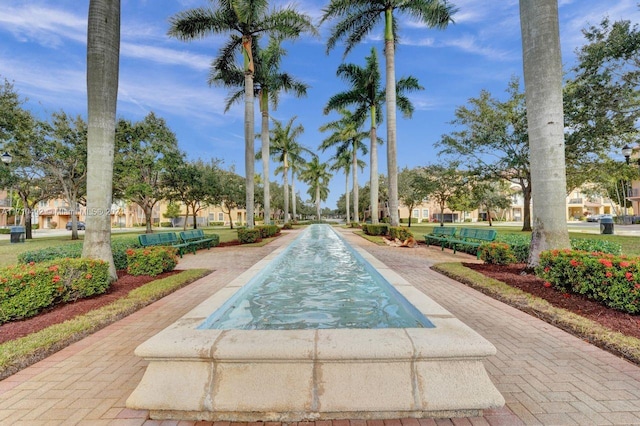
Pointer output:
x,y
317,282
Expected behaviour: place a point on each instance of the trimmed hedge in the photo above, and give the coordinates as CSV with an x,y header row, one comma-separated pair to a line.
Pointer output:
x,y
118,247
267,231
248,236
400,233
25,290
151,261
377,229
609,279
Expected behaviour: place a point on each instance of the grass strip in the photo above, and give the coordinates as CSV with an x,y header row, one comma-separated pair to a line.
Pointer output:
x,y
25,351
615,342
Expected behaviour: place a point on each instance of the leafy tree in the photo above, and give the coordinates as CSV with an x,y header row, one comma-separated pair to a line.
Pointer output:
x,y
63,156
146,151
493,142
346,136
439,182
356,19
601,103
543,92
492,195
173,212
241,20
410,191
366,95
186,182
232,192
22,135
317,177
103,60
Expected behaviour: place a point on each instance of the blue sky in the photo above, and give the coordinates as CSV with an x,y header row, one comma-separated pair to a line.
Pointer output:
x,y
42,52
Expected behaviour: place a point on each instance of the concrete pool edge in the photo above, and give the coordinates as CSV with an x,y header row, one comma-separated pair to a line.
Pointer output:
x,y
294,375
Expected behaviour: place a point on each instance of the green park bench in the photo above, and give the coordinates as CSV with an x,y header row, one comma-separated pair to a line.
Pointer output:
x,y
197,238
472,237
440,235
165,239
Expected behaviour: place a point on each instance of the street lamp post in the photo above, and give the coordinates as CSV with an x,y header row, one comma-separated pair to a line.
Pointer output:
x,y
626,152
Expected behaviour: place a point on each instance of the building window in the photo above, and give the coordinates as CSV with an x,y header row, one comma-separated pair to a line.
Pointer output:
x,y
425,213
220,217
416,213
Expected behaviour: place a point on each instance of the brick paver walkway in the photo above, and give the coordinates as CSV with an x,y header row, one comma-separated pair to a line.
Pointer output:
x,y
546,376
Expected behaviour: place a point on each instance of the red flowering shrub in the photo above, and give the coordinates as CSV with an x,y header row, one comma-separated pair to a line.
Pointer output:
x,y
151,260
27,289
497,253
609,279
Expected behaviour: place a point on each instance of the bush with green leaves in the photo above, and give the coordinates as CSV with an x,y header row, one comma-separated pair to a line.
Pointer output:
x,y
520,243
399,232
609,279
151,261
375,229
27,289
287,225
497,253
74,250
267,231
248,236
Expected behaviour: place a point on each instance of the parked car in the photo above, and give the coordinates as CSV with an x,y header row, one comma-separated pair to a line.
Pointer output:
x,y
597,217
80,226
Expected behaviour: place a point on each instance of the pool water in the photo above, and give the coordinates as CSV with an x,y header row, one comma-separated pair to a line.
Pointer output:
x,y
318,282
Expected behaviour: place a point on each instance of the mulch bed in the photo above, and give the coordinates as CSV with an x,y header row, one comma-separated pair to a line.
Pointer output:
x,y
515,276
61,313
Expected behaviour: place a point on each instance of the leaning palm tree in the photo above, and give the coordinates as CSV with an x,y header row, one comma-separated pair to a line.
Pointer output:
x,y
242,20
545,121
357,18
268,83
346,136
366,95
286,149
103,58
317,177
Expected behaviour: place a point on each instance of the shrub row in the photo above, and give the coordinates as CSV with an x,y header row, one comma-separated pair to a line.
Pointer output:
x,y
118,247
27,289
519,245
248,236
267,231
383,229
609,279
151,261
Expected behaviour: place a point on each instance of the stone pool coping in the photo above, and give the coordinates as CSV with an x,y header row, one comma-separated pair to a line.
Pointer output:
x,y
295,375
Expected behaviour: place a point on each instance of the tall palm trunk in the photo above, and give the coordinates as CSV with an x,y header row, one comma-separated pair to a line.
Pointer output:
x,y
356,198
264,108
103,58
346,193
286,188
293,194
392,151
373,176
543,91
318,202
249,155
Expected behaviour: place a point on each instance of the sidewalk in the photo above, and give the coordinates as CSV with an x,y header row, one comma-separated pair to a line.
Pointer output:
x,y
547,376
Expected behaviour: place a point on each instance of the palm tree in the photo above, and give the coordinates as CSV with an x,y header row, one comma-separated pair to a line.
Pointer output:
x,y
286,150
367,97
346,136
342,161
242,20
268,82
317,177
103,58
357,18
545,121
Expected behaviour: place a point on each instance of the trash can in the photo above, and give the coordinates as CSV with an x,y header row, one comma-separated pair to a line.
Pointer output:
x,y
17,234
606,225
